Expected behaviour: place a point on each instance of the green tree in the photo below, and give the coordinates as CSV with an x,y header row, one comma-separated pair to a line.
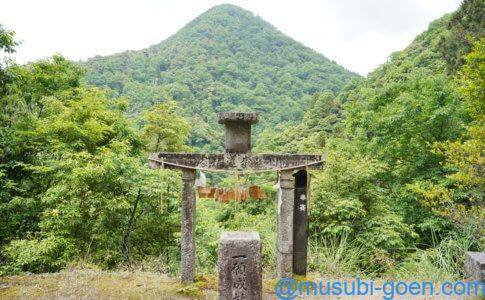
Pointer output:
x,y
163,129
460,195
400,122
74,179
321,122
466,25
21,107
347,201
7,45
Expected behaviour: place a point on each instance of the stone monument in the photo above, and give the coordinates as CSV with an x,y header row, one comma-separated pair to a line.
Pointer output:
x,y
239,262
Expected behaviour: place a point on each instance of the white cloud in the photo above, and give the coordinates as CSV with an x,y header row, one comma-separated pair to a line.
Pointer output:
x,y
358,34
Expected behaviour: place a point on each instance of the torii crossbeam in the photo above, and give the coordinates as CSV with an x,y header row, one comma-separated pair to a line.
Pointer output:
x,y
237,157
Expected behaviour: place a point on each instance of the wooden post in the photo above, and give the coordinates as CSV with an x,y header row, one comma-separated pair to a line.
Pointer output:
x,y
188,226
300,221
284,256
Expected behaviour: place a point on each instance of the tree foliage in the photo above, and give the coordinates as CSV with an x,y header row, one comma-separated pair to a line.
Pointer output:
x,y
404,147
163,129
226,59
73,174
460,195
466,25
7,45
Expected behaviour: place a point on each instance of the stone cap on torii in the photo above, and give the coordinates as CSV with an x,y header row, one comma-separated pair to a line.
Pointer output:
x,y
239,117
237,156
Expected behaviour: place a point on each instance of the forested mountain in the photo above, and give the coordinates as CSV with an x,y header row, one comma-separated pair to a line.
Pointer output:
x,y
405,146
226,59
437,52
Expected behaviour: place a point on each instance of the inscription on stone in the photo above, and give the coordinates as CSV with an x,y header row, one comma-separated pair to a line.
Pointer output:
x,y
239,262
238,277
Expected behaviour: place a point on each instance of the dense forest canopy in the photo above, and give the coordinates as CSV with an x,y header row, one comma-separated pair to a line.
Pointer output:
x,y
227,59
394,177
402,193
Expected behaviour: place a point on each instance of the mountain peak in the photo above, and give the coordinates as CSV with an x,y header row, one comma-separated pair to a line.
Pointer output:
x,y
228,15
225,59
228,10
227,7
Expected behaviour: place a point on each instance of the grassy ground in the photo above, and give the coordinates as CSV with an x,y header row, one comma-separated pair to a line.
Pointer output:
x,y
89,284
95,284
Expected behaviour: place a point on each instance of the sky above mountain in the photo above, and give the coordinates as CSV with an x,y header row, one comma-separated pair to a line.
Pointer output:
x,y
358,34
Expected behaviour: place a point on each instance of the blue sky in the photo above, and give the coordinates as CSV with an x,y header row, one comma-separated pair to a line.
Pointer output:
x,y
358,34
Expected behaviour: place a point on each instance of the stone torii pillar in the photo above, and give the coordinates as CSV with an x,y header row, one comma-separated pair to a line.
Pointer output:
x,y
284,241
237,157
187,241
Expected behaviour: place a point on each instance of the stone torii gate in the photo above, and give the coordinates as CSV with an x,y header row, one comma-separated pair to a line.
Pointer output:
x,y
237,158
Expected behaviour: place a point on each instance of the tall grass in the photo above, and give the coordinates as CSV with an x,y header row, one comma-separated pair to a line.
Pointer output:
x,y
335,257
445,261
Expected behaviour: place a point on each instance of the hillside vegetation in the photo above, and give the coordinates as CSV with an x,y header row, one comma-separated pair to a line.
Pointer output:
x,y
402,195
405,149
227,59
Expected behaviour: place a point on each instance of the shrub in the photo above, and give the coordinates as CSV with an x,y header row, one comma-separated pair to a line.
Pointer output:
x,y
49,254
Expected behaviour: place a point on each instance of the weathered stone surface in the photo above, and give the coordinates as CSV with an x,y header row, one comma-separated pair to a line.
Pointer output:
x,y
236,161
238,137
284,249
238,130
239,262
475,265
284,264
251,118
187,242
